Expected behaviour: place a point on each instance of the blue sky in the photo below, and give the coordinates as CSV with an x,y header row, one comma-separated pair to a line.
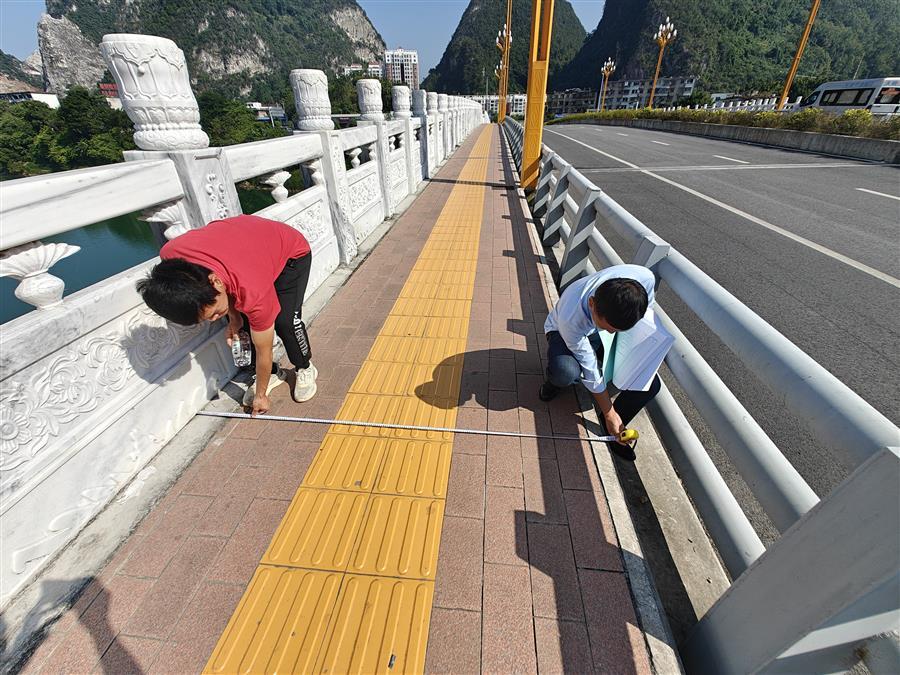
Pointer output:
x,y
424,25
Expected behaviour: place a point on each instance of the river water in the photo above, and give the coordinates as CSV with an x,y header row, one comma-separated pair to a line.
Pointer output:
x,y
107,248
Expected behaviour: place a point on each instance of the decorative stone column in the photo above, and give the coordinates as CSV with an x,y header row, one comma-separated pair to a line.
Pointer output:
x,y
368,93
419,107
400,102
311,98
155,90
444,114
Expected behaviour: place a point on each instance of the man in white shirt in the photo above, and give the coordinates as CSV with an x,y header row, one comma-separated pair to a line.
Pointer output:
x,y
614,299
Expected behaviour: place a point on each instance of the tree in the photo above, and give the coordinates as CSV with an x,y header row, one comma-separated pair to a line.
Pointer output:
x,y
228,122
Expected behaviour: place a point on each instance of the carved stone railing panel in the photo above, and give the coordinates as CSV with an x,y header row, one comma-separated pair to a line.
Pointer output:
x,y
83,412
309,213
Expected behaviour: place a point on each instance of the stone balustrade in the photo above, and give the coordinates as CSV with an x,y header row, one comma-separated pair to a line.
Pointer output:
x,y
94,384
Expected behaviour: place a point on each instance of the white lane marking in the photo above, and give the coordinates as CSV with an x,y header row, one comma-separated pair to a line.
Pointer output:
x,y
659,142
880,194
731,159
871,271
729,167
617,133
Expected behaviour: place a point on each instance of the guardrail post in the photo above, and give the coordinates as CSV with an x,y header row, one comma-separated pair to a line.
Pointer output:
x,y
400,100
444,114
556,212
650,251
840,551
575,257
542,189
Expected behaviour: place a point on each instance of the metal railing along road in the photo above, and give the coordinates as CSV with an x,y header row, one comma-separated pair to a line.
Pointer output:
x,y
569,207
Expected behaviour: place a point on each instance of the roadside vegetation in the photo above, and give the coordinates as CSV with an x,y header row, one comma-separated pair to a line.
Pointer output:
x,y
851,123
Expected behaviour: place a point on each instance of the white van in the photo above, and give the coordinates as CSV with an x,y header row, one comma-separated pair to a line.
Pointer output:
x,y
881,96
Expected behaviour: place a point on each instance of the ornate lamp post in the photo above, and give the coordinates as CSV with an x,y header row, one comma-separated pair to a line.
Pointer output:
x,y
663,37
609,67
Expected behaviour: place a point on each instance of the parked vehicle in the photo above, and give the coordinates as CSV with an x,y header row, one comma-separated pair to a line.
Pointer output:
x,y
881,96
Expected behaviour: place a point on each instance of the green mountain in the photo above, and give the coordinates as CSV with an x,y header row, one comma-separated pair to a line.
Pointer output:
x,y
14,76
741,45
471,49
244,47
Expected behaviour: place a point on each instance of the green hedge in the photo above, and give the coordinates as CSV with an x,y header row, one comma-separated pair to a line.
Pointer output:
x,y
851,123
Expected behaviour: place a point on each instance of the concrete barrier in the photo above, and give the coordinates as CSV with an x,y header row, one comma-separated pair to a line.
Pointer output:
x,y
828,144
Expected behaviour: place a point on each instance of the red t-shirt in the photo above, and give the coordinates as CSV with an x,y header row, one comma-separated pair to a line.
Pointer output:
x,y
247,253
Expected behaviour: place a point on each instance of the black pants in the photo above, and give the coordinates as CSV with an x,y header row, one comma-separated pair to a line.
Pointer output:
x,y
291,287
563,370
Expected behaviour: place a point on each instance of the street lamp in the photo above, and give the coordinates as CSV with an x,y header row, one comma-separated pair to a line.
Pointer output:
x,y
664,36
608,69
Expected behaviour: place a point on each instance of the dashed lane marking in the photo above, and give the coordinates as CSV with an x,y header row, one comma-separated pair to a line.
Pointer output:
x,y
880,194
731,159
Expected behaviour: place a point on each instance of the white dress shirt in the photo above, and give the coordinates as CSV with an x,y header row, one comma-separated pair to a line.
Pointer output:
x,y
571,317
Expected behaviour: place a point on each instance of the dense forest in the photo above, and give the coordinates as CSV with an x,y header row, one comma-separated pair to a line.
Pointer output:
x,y
472,49
741,45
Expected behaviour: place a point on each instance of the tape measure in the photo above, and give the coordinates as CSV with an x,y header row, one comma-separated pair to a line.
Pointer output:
x,y
626,436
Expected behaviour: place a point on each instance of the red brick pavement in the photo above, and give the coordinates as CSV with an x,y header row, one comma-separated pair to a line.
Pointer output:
x,y
529,574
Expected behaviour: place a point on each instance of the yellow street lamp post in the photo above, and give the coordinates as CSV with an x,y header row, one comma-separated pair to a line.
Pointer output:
x,y
538,69
796,62
663,37
504,40
609,67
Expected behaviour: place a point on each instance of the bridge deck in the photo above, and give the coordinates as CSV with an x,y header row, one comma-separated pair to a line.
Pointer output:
x,y
309,548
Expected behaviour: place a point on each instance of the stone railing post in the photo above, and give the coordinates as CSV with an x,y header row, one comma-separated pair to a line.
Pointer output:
x,y
400,99
400,102
368,93
437,134
445,119
426,142
310,89
155,89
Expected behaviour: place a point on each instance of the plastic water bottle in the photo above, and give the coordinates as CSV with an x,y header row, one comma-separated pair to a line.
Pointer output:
x,y
240,349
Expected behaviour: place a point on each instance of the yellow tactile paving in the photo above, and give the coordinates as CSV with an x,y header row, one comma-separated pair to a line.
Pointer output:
x,y
346,584
319,530
400,538
279,624
380,627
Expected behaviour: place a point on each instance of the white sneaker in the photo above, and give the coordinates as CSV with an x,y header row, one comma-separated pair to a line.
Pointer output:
x,y
276,379
305,385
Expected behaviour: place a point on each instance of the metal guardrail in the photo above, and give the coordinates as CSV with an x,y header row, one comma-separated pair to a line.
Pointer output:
x,y
569,207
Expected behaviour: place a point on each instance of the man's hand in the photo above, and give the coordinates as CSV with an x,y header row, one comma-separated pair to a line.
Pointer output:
x,y
614,424
260,405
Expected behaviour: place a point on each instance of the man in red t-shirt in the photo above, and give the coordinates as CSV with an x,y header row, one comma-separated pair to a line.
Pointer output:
x,y
252,270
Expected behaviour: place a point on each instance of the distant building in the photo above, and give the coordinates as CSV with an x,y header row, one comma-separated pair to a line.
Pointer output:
x,y
268,112
491,104
110,92
571,101
636,93
51,100
374,70
401,66
352,68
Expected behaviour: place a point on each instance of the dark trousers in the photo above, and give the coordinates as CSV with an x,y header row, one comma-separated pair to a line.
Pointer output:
x,y
291,287
563,370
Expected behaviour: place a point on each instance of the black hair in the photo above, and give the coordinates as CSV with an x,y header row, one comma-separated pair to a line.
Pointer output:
x,y
178,290
622,302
